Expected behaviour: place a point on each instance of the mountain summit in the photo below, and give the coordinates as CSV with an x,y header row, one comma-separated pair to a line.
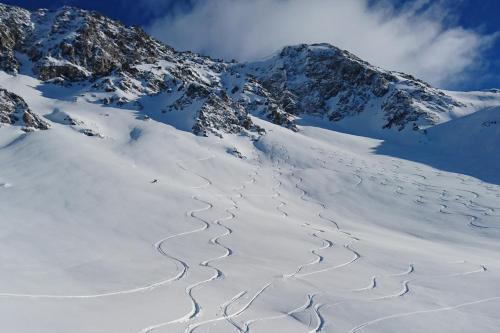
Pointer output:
x,y
110,63
147,190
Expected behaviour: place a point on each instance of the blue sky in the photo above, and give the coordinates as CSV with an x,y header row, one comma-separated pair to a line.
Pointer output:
x,y
473,63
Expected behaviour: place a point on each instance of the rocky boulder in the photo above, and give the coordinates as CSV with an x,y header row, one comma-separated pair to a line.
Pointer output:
x,y
15,111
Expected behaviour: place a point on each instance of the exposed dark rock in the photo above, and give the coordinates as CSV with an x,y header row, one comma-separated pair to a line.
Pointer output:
x,y
15,111
14,26
236,153
221,114
91,132
123,64
323,80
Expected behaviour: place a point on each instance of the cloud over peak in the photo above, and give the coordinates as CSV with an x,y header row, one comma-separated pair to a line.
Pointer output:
x,y
416,38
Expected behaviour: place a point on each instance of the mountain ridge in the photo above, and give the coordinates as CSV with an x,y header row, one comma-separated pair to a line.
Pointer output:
x,y
144,189
115,64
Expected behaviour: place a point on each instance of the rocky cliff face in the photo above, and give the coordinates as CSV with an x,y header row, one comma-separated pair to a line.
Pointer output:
x,y
323,80
74,44
14,26
15,111
120,65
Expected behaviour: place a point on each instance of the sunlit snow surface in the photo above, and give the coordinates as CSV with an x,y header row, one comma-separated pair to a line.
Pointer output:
x,y
310,232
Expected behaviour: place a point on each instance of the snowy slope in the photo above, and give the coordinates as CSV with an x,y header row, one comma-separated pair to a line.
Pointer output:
x,y
307,232
115,217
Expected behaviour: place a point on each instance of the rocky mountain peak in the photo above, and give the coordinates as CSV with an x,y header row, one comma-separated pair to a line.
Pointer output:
x,y
77,44
120,65
324,80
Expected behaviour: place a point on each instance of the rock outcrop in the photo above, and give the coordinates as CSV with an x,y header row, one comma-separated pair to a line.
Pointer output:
x,y
323,80
15,111
123,65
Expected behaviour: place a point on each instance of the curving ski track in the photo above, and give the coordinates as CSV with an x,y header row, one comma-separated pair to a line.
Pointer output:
x,y
408,314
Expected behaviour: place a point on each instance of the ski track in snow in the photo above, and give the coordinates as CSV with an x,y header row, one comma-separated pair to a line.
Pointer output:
x,y
303,307
372,285
320,322
195,306
325,242
319,258
405,285
405,289
277,195
414,313
229,317
157,246
406,184
355,257
218,273
319,319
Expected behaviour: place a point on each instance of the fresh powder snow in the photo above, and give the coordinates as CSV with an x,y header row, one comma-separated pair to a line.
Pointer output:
x,y
307,192
303,232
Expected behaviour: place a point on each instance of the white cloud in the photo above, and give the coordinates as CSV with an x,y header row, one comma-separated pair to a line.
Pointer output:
x,y
415,39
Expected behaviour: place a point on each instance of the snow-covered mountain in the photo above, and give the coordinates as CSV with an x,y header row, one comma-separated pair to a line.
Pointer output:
x,y
110,63
143,189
